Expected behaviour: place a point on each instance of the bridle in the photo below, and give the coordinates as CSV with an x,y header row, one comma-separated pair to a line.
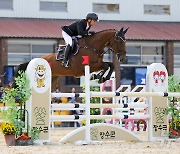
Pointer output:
x,y
108,47
118,43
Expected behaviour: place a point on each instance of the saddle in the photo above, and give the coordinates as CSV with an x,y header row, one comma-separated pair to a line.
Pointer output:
x,y
61,50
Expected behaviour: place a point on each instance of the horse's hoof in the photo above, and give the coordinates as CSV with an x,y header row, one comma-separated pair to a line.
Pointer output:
x,y
93,77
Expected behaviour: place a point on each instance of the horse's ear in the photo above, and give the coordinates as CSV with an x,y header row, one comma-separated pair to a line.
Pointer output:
x,y
125,30
121,30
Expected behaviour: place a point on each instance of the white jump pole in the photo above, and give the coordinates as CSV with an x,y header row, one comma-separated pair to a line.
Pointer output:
x,y
87,96
83,106
87,92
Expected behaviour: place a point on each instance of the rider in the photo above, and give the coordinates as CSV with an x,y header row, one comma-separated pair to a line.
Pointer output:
x,y
80,29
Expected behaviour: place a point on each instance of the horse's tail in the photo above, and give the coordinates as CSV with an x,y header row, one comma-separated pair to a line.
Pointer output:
x,y
21,67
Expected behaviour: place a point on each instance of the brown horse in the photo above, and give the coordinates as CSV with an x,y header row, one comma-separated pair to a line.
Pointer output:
x,y
92,46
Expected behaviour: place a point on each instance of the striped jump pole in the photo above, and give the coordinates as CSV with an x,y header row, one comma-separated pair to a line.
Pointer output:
x,y
83,117
83,106
133,94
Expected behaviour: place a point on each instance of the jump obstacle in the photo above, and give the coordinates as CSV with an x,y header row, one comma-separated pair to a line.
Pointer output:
x,y
39,106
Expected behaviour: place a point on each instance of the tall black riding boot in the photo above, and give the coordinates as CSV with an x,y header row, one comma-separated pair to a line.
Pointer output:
x,y
66,56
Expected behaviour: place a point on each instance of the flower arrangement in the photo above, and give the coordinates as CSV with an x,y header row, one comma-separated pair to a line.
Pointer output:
x,y
15,98
8,128
15,115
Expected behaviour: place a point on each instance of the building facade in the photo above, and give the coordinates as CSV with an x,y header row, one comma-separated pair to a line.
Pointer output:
x,y
116,10
32,28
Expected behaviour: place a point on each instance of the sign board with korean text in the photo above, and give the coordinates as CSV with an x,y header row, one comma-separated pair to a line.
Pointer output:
x,y
38,106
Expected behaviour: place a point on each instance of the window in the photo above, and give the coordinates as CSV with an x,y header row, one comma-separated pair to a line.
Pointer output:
x,y
127,76
41,50
151,55
177,61
20,53
133,55
6,4
140,74
105,8
177,56
53,6
133,75
157,9
144,55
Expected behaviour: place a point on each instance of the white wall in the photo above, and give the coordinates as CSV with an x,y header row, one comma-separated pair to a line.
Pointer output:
x,y
130,10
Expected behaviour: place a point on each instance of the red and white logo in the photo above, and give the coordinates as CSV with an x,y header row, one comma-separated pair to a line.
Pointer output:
x,y
162,76
156,76
159,76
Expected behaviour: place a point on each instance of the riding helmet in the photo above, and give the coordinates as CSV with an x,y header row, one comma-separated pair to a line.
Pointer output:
x,y
92,16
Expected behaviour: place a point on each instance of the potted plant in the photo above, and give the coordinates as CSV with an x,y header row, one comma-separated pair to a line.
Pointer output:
x,y
28,138
8,131
174,109
15,98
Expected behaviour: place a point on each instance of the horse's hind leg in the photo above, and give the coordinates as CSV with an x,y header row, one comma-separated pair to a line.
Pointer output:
x,y
54,83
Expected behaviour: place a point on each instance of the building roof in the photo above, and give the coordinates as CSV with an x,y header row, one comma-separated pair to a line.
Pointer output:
x,y
48,28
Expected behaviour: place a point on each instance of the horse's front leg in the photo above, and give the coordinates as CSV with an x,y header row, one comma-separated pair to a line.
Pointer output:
x,y
111,66
108,66
102,67
105,67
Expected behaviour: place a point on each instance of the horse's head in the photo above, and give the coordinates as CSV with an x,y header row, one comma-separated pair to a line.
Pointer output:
x,y
118,44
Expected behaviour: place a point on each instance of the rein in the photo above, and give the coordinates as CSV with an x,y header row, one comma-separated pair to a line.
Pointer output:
x,y
87,47
106,46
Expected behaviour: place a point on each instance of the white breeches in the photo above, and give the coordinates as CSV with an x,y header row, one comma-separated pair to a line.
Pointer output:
x,y
67,38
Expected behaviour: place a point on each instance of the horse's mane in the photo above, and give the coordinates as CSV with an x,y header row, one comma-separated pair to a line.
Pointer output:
x,y
100,32
106,30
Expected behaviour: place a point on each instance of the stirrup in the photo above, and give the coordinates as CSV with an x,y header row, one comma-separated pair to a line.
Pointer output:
x,y
59,56
65,63
75,53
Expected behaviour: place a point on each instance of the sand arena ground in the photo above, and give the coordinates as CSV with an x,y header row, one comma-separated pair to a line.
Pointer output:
x,y
121,147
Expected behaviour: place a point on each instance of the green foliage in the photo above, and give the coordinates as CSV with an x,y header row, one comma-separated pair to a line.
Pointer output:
x,y
9,115
175,124
10,97
20,94
23,88
173,85
34,133
173,109
93,100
